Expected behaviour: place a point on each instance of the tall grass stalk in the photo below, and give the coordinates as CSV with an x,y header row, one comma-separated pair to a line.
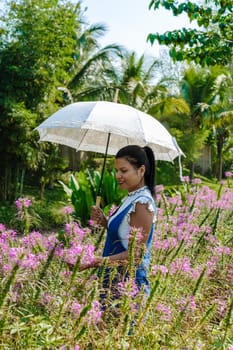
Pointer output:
x,y
100,238
131,253
44,271
3,294
214,223
199,281
191,333
148,301
178,250
4,291
227,322
177,323
206,217
67,289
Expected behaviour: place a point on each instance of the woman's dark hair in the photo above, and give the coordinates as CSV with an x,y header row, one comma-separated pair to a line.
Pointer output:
x,y
138,156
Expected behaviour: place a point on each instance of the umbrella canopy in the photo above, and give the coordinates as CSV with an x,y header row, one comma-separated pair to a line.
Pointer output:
x,y
91,126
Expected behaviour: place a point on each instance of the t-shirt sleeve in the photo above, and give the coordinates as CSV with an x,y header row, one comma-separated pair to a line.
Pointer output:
x,y
144,200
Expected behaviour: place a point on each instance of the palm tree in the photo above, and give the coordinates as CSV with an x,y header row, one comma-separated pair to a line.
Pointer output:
x,y
89,76
137,80
201,90
224,141
221,119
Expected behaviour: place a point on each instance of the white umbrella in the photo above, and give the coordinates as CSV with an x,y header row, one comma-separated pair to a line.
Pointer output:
x,y
104,127
86,126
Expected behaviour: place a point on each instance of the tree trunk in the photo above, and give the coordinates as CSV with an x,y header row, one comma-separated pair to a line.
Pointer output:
x,y
219,159
191,170
8,183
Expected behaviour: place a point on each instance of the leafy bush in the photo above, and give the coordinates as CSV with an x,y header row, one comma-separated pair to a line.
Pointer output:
x,y
83,189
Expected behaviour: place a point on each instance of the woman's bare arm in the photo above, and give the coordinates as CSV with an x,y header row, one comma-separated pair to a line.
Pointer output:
x,y
142,219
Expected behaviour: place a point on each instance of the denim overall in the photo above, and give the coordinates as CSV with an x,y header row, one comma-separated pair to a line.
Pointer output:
x,y
113,245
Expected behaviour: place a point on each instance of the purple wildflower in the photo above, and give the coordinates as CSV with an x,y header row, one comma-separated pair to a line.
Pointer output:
x,y
23,203
67,210
2,228
187,303
196,181
159,188
128,288
136,232
186,179
73,229
76,308
228,174
94,315
163,269
165,311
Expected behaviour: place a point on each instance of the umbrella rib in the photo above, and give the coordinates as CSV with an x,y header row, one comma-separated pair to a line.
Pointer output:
x,y
86,131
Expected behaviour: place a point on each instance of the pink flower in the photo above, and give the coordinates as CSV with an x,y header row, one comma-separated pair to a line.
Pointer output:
x,y
196,181
67,210
30,262
22,202
86,252
2,228
228,174
187,303
112,210
128,288
223,250
186,179
46,298
165,311
18,204
159,188
76,308
163,269
94,315
92,223
136,232
75,230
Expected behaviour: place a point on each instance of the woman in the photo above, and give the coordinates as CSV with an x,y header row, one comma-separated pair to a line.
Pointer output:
x,y
135,172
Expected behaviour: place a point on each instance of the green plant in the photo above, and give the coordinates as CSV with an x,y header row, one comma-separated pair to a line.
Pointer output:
x,y
82,190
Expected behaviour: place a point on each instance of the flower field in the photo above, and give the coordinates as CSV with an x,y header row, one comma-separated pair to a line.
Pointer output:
x,y
46,305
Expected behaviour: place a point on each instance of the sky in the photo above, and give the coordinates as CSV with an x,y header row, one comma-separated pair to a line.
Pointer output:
x,y
130,21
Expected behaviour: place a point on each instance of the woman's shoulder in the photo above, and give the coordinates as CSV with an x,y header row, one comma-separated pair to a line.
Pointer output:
x,y
142,196
141,193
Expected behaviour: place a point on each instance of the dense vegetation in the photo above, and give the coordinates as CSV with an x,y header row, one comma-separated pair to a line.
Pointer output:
x,y
191,275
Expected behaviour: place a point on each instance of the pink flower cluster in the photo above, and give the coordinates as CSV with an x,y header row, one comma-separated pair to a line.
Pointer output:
x,y
165,311
22,203
67,210
136,233
128,288
228,174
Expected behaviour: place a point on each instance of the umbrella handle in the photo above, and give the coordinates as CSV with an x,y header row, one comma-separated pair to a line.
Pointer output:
x,y
97,202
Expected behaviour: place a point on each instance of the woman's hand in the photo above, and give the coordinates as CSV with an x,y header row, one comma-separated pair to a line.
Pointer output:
x,y
98,216
95,263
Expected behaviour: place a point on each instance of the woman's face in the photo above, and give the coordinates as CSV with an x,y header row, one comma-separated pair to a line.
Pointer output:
x,y
128,177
